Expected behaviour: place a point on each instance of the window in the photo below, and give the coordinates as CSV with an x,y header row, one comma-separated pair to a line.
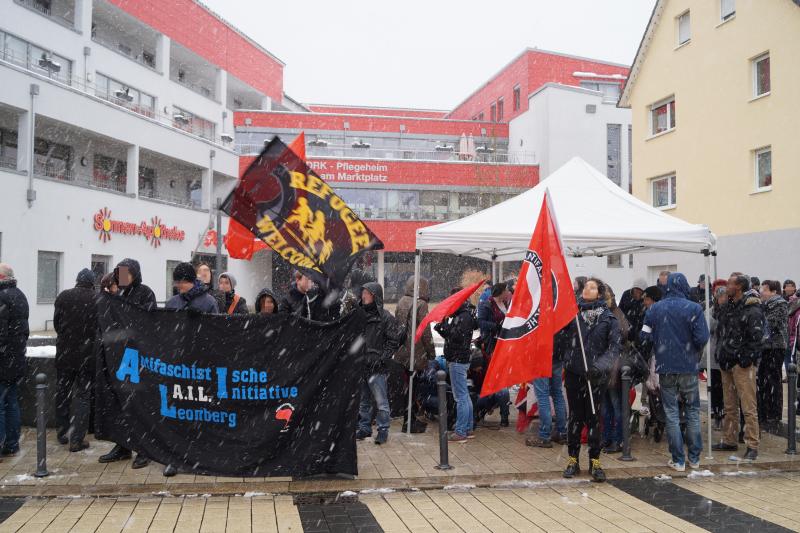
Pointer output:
x,y
662,116
187,121
101,265
727,9
402,204
761,84
764,168
493,113
124,95
170,288
614,153
147,182
109,172
684,28
35,58
48,269
52,160
500,105
517,98
8,148
480,117
611,91
664,191
614,261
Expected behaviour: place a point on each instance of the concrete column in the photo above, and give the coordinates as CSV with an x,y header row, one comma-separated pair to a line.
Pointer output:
x,y
23,141
221,86
208,182
266,103
83,16
132,182
381,268
162,54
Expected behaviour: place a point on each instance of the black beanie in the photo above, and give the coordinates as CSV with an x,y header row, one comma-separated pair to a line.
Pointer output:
x,y
184,272
85,277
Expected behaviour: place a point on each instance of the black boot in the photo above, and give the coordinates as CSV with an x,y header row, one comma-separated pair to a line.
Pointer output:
x,y
117,453
596,471
78,446
170,471
417,426
140,462
572,469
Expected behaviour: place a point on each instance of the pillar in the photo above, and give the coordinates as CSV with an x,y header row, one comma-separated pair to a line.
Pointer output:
x,y
221,86
132,180
83,17
208,182
266,103
381,268
162,55
23,141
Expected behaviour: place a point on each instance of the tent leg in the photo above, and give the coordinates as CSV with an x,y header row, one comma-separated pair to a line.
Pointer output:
x,y
499,270
708,354
413,324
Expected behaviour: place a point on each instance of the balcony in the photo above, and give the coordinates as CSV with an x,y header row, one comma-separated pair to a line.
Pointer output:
x,y
192,71
59,11
35,58
241,95
121,33
169,180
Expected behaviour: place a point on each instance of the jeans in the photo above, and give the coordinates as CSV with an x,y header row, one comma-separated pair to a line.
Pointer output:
x,y
499,399
73,385
10,423
374,388
612,416
545,388
684,386
458,382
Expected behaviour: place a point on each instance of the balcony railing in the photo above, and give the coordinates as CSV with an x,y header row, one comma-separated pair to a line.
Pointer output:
x,y
348,152
8,161
62,74
439,214
58,172
139,55
182,200
43,8
199,89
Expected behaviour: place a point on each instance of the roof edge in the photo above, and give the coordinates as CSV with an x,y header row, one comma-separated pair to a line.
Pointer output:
x,y
655,16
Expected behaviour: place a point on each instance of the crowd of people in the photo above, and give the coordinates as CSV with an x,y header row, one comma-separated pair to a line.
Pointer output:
x,y
659,331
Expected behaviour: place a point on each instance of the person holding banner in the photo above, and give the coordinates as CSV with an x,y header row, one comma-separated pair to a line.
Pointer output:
x,y
227,300
599,337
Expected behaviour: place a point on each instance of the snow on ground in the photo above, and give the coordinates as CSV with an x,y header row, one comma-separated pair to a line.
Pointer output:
x,y
41,351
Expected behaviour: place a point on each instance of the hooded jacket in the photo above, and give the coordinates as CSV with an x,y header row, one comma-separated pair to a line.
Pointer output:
x,y
311,305
13,331
382,333
677,329
490,322
457,332
197,298
424,350
266,293
75,322
776,310
741,332
601,338
137,293
794,319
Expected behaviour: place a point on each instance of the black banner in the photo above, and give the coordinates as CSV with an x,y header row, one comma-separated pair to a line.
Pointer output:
x,y
293,210
241,395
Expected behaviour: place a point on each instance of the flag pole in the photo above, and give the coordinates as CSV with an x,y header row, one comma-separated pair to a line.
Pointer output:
x,y
413,327
585,365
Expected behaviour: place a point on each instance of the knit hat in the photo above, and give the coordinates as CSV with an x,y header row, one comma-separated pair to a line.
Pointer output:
x,y
639,283
230,278
85,277
184,272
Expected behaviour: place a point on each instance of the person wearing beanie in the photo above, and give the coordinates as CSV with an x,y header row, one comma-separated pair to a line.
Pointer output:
x,y
228,301
75,322
632,306
192,292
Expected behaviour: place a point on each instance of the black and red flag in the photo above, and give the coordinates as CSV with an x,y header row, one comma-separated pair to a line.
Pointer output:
x,y
285,204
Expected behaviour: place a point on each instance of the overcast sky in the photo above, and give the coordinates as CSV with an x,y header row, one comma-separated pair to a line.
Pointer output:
x,y
425,53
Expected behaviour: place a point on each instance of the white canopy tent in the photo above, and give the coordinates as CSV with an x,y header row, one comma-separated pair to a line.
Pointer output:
x,y
595,217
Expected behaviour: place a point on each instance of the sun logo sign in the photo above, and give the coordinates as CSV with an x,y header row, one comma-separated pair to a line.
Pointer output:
x,y
155,231
102,223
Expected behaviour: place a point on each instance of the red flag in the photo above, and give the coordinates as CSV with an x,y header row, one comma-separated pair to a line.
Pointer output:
x,y
543,303
446,307
240,241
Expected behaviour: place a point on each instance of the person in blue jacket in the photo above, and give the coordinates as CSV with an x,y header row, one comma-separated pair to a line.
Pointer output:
x,y
192,293
677,330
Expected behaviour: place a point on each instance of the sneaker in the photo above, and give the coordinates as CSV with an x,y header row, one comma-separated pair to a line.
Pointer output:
x,y
456,437
750,455
382,436
724,447
694,465
537,442
596,471
362,434
678,467
572,469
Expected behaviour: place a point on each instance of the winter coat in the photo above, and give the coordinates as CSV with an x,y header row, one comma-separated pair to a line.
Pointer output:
x,y
310,305
741,333
713,329
457,332
224,301
601,340
490,322
776,310
13,331
382,333
677,329
424,349
264,293
794,319
634,311
137,293
75,322
197,299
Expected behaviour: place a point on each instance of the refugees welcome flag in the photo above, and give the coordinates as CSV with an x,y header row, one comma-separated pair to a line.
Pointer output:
x,y
543,303
285,204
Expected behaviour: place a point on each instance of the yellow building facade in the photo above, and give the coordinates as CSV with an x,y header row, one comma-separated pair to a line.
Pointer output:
x,y
715,97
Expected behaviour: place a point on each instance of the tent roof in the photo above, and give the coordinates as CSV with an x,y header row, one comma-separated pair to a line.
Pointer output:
x,y
595,217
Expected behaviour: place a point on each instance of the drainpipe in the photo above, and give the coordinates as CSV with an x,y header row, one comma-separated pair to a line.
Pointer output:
x,y
31,195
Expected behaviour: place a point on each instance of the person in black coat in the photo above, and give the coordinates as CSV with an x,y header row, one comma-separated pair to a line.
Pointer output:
x,y
266,302
228,301
306,299
75,322
382,338
14,333
192,293
128,278
602,342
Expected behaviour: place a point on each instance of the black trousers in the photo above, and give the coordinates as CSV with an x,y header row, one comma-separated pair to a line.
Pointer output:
x,y
580,414
717,403
769,386
73,395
